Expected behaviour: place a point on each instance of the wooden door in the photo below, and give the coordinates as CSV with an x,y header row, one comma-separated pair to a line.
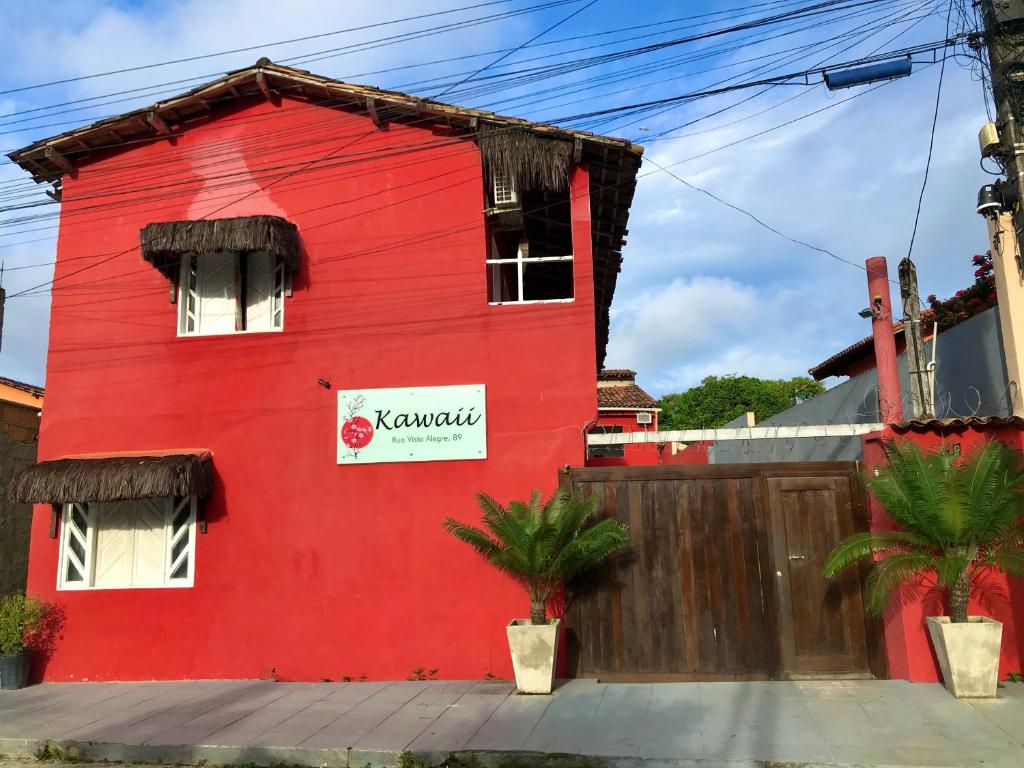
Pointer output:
x,y
820,622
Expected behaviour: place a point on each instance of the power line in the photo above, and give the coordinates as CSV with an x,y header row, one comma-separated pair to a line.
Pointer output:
x,y
756,219
189,59
515,50
292,173
306,140
734,11
931,140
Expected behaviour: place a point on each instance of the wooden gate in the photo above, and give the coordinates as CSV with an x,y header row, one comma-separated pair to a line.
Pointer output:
x,y
723,576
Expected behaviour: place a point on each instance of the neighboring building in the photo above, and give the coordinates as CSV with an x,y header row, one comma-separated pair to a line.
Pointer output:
x,y
236,436
622,406
970,380
860,356
20,406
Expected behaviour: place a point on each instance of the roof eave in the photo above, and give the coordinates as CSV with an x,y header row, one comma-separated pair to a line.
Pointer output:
x,y
49,159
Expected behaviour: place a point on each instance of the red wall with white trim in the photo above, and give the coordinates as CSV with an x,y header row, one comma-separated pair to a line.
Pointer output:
x,y
309,570
645,454
908,647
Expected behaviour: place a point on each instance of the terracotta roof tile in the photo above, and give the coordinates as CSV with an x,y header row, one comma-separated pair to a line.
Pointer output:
x,y
628,396
957,424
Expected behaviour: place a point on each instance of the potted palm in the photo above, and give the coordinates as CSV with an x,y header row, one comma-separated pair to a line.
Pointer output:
x,y
542,545
21,618
958,515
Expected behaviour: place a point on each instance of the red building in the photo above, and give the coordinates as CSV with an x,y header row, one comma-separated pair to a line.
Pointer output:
x,y
249,277
623,407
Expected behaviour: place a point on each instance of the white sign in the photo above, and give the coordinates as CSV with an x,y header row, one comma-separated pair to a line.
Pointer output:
x,y
417,424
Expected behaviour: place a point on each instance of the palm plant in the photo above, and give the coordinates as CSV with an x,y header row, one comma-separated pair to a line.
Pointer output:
x,y
541,544
957,515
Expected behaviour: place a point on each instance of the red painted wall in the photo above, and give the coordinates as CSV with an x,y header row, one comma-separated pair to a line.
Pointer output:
x,y
309,569
908,647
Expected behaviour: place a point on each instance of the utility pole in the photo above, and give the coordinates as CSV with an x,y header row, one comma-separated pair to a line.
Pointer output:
x,y
917,363
1001,204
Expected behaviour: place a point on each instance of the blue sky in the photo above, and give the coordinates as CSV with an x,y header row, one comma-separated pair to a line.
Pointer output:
x,y
703,289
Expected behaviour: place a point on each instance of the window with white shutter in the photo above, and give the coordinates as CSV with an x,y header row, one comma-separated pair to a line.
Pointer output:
x,y
128,544
227,292
504,190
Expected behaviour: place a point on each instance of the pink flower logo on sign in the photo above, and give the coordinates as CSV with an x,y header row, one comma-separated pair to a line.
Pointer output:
x,y
356,432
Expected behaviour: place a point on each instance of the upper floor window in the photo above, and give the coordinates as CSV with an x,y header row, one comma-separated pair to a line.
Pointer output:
x,y
530,254
227,275
230,292
128,544
514,275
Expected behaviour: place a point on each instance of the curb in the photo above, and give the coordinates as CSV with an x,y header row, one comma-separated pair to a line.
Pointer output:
x,y
288,757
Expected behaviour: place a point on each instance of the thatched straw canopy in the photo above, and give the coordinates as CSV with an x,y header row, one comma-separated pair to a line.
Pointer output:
x,y
164,243
534,161
114,478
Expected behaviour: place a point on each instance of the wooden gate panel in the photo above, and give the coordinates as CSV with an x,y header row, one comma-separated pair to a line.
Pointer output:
x,y
707,589
821,622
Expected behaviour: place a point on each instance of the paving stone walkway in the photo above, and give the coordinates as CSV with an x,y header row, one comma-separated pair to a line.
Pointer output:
x,y
891,723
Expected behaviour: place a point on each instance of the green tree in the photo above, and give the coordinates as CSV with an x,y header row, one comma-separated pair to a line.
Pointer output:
x,y
542,545
720,399
957,515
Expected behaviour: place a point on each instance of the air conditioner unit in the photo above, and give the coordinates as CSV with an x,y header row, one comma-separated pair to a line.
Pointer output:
x,y
645,418
505,190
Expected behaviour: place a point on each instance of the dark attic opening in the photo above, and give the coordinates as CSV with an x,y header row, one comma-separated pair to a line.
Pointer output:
x,y
530,253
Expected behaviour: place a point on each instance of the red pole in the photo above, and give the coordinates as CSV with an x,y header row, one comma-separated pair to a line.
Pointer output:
x,y
890,401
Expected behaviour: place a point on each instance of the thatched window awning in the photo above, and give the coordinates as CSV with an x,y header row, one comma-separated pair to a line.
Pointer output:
x,y
115,477
165,242
534,162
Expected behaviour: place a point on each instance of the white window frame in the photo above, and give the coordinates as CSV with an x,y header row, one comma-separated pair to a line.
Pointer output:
x,y
503,191
173,506
188,300
520,261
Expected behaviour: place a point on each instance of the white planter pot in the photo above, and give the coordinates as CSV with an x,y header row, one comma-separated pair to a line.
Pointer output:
x,y
534,649
968,654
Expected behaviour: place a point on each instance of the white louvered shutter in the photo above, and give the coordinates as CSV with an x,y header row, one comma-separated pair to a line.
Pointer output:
x,y
115,544
77,557
259,292
150,542
217,293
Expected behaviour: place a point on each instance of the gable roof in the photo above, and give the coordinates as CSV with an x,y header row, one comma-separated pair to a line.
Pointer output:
x,y
613,162
840,363
627,397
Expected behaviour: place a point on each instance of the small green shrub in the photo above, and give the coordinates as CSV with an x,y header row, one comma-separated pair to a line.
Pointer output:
x,y
20,618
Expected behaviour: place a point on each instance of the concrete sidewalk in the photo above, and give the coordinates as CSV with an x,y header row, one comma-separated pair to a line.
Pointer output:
x,y
670,724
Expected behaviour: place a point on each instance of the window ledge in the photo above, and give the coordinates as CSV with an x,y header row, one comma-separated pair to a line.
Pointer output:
x,y
529,301
66,588
227,333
